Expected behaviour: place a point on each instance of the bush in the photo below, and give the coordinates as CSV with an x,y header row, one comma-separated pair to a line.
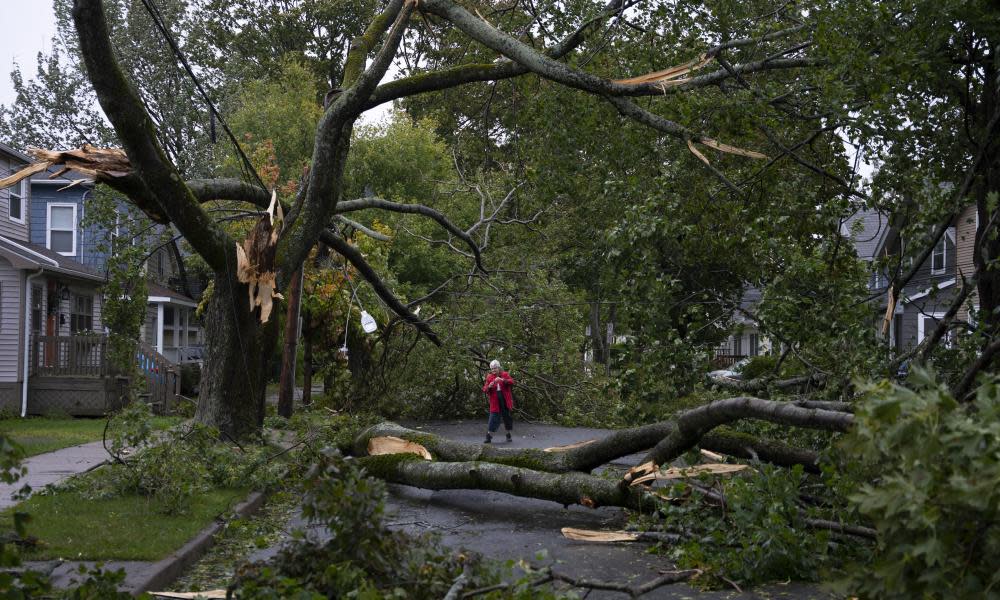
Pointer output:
x,y
932,491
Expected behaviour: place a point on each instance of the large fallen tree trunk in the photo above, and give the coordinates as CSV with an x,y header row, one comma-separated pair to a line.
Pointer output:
x,y
564,488
692,425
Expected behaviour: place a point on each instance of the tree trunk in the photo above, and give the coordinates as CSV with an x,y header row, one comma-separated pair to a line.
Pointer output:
x,y
237,350
307,360
564,488
286,386
596,335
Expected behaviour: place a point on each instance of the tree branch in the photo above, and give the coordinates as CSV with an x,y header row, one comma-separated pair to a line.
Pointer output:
x,y
417,209
354,256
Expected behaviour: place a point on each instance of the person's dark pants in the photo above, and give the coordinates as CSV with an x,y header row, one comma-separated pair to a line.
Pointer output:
x,y
508,419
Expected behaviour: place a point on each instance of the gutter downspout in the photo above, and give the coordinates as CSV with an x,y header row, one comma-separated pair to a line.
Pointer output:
x,y
27,339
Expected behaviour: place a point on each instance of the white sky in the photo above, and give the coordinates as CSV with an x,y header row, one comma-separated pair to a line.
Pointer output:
x,y
30,25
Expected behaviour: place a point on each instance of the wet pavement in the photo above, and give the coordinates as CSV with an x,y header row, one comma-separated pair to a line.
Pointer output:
x,y
503,527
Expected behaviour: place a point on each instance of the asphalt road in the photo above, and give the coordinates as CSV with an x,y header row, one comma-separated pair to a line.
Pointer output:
x,y
503,527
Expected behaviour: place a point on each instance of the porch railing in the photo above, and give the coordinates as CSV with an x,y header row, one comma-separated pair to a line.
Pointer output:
x,y
163,378
75,355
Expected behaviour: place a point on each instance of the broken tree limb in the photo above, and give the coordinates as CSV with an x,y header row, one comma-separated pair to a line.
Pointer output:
x,y
564,488
770,451
692,425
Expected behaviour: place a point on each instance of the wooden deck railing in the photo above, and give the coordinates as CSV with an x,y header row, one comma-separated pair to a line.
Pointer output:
x,y
87,356
163,378
74,355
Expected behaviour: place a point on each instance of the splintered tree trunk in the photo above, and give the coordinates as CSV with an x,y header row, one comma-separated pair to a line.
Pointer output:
x,y
237,349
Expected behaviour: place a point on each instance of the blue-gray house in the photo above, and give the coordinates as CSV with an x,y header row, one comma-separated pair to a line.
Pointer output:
x,y
57,215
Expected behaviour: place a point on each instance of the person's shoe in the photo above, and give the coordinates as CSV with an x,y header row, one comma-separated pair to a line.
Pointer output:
x,y
508,436
489,439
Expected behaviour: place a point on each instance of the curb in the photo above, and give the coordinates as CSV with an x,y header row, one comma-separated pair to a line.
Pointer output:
x,y
164,571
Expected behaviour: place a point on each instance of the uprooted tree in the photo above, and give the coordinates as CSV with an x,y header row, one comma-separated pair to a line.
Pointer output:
x,y
238,340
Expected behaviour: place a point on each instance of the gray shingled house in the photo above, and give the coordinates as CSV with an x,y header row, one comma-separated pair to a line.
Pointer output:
x,y
928,295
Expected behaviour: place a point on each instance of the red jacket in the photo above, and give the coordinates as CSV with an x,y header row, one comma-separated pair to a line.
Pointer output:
x,y
505,381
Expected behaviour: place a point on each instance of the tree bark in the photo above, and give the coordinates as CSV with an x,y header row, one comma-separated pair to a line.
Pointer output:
x,y
286,386
564,488
307,359
693,425
237,350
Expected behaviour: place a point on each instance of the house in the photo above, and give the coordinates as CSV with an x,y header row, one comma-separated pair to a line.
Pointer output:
x,y
929,294
52,354
746,339
57,223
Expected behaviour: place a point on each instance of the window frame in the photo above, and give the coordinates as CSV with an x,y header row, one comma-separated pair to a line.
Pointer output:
x,y
20,197
75,315
49,229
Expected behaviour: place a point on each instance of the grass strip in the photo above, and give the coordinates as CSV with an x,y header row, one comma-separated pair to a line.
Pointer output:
x,y
72,527
38,435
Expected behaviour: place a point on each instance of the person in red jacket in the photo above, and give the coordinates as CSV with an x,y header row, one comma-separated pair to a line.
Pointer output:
x,y
497,389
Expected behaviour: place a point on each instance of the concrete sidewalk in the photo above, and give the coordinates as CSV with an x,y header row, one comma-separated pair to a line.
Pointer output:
x,y
53,467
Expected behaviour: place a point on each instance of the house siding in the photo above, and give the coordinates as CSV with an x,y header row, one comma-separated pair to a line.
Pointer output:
x,y
965,242
87,239
9,228
11,292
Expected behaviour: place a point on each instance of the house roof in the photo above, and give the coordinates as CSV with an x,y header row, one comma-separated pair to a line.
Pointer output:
x,y
163,294
24,255
67,178
15,152
871,235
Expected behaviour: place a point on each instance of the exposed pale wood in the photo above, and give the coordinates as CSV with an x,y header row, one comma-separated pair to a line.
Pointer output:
x,y
394,445
568,446
689,472
587,535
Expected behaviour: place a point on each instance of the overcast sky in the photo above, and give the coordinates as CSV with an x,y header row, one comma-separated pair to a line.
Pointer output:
x,y
29,29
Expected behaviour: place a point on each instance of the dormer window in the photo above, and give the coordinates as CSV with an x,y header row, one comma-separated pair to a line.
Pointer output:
x,y
939,258
15,203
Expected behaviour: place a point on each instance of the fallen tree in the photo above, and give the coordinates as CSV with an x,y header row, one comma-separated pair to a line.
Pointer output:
x,y
669,439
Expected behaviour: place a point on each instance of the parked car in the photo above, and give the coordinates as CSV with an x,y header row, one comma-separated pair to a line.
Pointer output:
x,y
733,372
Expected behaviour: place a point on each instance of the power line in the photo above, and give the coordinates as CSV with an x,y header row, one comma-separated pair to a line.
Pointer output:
x,y
246,165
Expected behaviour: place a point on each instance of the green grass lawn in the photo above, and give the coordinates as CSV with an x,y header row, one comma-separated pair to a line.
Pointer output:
x,y
38,435
128,528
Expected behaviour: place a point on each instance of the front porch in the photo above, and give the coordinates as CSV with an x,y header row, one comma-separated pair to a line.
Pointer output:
x,y
73,375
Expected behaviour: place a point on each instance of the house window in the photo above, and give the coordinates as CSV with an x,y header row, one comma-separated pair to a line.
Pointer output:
x,y
82,314
60,234
927,323
738,345
939,256
754,344
15,205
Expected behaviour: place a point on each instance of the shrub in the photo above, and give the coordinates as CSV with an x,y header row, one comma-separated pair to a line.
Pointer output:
x,y
933,492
